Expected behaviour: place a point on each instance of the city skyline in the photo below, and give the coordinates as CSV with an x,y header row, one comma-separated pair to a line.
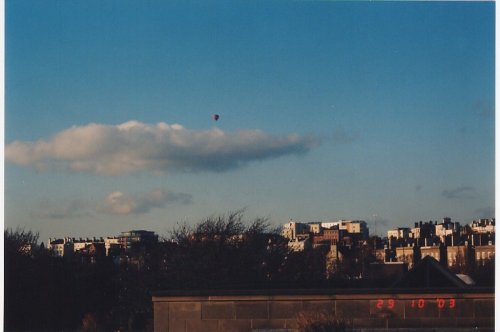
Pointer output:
x,y
382,112
381,234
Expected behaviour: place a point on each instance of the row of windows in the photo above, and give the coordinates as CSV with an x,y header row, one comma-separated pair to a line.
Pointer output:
x,y
452,257
484,255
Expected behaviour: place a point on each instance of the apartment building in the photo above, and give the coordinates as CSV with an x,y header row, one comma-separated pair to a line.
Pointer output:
x,y
292,229
483,226
137,239
484,254
399,233
406,254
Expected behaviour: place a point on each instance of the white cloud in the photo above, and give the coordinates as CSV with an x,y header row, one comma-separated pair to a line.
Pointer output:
x,y
123,204
136,147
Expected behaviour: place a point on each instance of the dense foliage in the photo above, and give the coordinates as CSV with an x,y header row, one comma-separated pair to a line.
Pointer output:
x,y
45,293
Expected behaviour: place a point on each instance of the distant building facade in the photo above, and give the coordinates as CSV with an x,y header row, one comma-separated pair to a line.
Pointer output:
x,y
399,233
111,246
483,226
484,254
324,233
292,229
137,239
454,246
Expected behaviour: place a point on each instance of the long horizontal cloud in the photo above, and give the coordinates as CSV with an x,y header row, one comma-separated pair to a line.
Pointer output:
x,y
460,192
134,147
123,204
48,209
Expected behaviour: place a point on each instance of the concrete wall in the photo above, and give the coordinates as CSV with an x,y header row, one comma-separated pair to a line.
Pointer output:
x,y
281,310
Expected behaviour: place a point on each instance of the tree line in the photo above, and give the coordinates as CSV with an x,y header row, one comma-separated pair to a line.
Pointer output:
x,y
44,293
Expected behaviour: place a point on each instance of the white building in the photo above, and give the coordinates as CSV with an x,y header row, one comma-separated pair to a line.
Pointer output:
x,y
329,224
354,227
415,233
398,233
79,244
341,224
350,226
315,228
442,231
111,243
292,229
67,245
60,247
483,226
447,228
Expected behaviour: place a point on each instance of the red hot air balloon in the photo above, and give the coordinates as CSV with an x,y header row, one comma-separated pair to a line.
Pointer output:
x,y
216,117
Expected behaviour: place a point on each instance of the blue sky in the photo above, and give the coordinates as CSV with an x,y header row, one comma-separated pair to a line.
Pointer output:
x,y
328,110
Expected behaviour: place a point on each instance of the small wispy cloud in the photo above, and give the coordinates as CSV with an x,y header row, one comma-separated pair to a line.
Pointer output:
x,y
48,209
342,135
124,204
137,147
483,108
460,192
486,212
377,224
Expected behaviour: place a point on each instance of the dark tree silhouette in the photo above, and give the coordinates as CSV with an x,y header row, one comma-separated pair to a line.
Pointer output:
x,y
224,251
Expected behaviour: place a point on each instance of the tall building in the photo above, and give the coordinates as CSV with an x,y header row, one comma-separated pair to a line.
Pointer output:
x,y
292,229
137,239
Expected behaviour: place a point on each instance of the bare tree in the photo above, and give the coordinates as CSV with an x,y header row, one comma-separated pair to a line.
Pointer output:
x,y
20,241
223,250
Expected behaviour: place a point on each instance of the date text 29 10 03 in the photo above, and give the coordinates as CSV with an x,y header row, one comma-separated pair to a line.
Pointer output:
x,y
416,303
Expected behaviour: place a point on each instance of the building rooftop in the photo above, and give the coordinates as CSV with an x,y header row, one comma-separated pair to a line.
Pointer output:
x,y
429,273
